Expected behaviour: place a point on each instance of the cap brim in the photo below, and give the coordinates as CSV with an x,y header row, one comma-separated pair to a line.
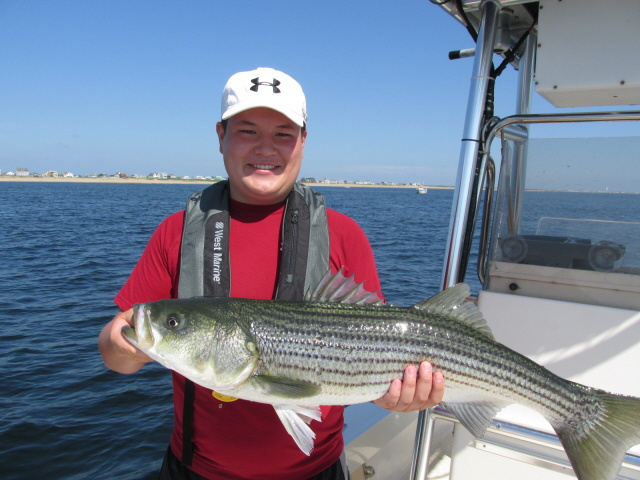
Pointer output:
x,y
242,107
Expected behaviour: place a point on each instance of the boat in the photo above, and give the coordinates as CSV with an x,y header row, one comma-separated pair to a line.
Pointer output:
x,y
573,278
421,190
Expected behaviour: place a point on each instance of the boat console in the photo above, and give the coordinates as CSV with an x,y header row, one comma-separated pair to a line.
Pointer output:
x,y
552,200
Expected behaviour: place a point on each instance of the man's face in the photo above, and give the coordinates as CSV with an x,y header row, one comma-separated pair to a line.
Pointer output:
x,y
262,151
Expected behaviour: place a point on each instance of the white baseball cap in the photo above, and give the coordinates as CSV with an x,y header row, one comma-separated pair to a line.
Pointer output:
x,y
264,87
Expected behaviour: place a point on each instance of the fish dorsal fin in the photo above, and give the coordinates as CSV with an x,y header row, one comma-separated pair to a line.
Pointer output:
x,y
453,302
340,289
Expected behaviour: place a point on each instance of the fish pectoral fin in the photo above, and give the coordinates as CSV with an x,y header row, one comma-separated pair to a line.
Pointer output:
x,y
296,421
475,417
285,387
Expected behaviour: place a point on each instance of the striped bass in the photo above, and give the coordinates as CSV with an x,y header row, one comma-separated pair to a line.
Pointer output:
x,y
337,348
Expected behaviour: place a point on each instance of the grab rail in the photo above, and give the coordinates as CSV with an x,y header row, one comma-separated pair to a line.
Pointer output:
x,y
490,172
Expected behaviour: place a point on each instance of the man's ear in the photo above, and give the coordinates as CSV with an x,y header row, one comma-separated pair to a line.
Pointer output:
x,y
220,132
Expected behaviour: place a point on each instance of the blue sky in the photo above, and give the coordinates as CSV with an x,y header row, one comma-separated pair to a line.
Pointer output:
x,y
134,86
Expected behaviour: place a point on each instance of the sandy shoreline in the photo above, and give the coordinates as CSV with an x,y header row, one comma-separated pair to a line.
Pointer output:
x,y
178,181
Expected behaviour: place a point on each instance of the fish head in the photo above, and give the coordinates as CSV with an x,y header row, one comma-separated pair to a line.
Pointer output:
x,y
196,338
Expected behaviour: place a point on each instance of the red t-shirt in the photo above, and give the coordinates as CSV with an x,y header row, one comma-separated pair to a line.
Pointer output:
x,y
242,440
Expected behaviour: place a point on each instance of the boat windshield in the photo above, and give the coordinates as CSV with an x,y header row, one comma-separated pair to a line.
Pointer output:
x,y
577,208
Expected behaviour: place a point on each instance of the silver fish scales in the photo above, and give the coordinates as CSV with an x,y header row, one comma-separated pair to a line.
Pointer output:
x,y
298,355
354,354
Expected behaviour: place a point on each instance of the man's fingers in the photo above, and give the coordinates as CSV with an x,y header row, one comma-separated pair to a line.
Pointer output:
x,y
419,389
410,383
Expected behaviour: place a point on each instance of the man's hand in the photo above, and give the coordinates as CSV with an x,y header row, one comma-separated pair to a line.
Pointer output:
x,y
418,390
119,354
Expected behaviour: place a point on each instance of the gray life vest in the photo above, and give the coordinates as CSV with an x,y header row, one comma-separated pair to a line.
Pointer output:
x,y
204,258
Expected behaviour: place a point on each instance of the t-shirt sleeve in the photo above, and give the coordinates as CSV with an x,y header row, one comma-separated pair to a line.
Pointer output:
x,y
155,276
350,250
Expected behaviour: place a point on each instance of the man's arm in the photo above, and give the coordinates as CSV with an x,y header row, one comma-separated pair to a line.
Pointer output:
x,y
117,353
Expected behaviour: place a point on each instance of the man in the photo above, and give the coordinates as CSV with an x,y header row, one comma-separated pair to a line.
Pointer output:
x,y
259,235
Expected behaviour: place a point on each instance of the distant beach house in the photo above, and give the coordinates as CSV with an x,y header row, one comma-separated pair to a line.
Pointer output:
x,y
162,176
22,172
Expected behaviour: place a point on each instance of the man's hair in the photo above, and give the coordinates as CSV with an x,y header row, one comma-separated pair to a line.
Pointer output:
x,y
226,120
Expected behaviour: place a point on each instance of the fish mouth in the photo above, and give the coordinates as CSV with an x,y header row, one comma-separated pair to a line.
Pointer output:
x,y
130,334
140,335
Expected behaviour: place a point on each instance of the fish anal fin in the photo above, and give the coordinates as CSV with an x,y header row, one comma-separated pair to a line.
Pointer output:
x,y
453,303
475,417
296,421
285,387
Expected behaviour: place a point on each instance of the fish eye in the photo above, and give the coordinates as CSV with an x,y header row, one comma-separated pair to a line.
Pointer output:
x,y
173,321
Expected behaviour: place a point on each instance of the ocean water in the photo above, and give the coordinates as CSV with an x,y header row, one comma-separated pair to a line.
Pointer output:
x,y
65,250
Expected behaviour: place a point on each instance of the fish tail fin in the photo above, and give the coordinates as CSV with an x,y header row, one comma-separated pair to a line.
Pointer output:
x,y
596,451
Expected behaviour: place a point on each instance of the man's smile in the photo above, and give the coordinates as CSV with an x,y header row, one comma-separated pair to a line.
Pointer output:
x,y
263,167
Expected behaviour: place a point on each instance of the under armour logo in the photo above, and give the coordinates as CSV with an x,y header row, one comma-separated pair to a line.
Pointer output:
x,y
256,83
